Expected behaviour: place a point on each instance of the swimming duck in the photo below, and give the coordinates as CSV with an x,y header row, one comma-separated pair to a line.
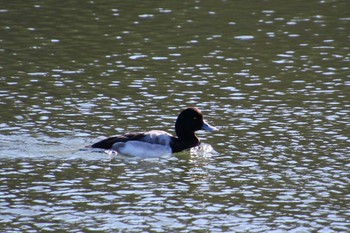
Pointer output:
x,y
146,144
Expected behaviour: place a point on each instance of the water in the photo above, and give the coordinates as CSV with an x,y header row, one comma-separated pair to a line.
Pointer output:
x,y
273,76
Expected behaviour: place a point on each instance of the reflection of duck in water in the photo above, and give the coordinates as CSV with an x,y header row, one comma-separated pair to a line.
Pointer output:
x,y
156,142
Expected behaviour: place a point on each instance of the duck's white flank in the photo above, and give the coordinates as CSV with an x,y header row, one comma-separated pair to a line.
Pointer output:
x,y
141,149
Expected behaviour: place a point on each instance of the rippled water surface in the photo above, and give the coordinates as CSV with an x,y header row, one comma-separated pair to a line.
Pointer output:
x,y
273,76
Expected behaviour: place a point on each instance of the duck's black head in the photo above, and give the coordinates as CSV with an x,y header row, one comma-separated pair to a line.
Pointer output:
x,y
189,121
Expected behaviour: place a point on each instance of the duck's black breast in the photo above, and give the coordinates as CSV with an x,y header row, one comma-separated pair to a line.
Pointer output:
x,y
178,145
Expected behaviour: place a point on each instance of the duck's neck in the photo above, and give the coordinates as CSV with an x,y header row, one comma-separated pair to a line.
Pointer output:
x,y
184,141
189,138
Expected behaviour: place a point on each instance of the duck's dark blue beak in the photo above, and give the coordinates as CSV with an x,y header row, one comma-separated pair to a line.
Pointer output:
x,y
208,127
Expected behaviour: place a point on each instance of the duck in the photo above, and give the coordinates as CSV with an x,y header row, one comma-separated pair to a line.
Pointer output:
x,y
155,143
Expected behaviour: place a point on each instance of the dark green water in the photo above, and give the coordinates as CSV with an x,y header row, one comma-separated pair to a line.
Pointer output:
x,y
274,76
